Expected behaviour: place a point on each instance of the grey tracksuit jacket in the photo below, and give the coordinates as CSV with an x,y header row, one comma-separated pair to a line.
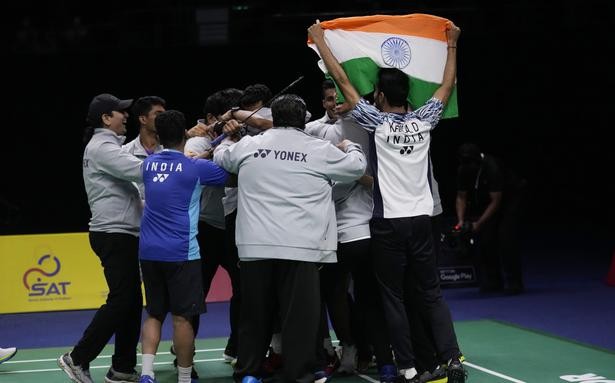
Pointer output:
x,y
353,201
108,174
285,208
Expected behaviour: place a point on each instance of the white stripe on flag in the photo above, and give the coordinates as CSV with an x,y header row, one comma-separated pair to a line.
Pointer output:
x,y
428,56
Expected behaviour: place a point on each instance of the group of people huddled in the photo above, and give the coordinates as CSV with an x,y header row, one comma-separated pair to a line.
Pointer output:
x,y
313,221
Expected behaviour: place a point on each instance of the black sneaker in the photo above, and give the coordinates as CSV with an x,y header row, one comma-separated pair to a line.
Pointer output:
x,y
365,363
193,374
438,375
121,377
455,371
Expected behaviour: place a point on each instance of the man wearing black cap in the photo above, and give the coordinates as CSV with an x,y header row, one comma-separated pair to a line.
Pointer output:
x,y
108,175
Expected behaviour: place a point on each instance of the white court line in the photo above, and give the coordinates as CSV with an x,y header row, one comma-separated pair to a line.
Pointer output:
x,y
494,373
100,356
97,367
365,377
109,356
483,369
368,378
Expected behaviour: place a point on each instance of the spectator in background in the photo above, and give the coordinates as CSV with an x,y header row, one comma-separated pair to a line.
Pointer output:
x,y
27,38
490,196
76,35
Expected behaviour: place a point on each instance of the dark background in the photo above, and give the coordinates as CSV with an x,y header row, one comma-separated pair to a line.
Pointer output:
x,y
534,85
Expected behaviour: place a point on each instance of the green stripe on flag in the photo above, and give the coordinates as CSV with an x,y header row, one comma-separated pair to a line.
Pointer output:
x,y
363,74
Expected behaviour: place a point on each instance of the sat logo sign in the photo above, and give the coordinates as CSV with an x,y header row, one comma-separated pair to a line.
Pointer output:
x,y
43,282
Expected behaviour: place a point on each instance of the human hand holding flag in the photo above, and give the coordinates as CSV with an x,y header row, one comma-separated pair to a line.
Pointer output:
x,y
417,44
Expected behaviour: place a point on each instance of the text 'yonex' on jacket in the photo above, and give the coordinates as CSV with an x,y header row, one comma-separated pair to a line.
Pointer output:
x,y
285,208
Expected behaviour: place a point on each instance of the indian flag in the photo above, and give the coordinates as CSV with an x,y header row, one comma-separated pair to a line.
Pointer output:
x,y
415,44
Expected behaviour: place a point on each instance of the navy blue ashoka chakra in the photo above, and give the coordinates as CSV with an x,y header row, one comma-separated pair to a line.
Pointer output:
x,y
396,52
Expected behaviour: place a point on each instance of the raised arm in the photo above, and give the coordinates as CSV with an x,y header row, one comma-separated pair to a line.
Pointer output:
x,y
248,117
450,68
119,163
346,163
317,34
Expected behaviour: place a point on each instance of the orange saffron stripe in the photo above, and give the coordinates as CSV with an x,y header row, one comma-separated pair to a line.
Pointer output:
x,y
416,24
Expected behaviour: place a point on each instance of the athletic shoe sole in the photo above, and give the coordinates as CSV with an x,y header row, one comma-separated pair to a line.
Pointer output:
x,y
441,380
66,368
456,376
8,357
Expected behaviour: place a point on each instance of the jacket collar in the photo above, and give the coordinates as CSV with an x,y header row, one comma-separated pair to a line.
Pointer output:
x,y
108,133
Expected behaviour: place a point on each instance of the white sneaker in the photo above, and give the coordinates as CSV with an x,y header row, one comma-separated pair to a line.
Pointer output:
x,y
7,353
348,361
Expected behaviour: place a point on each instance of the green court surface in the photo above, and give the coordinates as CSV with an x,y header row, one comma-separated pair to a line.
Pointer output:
x,y
495,352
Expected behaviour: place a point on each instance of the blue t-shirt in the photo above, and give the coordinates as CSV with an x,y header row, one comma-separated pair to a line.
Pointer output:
x,y
173,185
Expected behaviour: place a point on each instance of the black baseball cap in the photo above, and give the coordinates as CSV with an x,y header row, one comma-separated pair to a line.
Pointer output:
x,y
105,103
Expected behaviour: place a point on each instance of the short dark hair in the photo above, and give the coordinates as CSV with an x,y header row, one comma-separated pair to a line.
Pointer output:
x,y
395,85
469,153
288,110
171,127
253,94
143,105
221,101
326,85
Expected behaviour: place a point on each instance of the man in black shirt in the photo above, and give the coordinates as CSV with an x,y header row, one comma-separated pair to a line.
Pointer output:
x,y
490,196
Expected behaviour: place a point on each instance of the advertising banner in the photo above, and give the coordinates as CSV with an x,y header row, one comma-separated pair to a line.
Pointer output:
x,y
55,272
49,272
